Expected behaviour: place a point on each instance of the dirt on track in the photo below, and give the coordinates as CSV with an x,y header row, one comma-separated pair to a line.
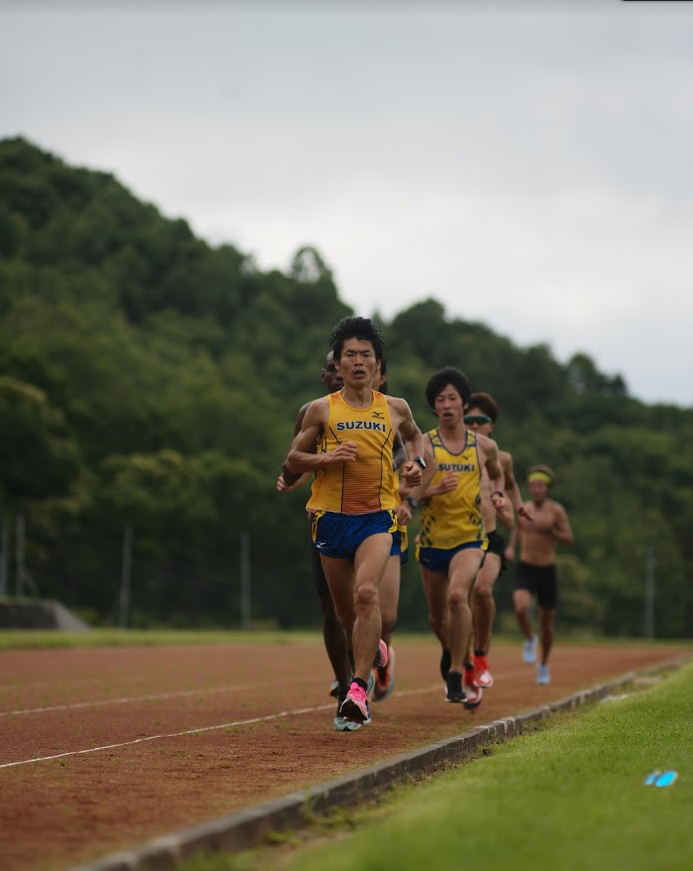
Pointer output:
x,y
104,748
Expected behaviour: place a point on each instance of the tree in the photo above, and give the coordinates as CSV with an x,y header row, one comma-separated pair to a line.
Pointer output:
x,y
38,457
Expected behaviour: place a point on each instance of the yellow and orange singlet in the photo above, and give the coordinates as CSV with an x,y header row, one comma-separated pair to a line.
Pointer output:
x,y
367,483
454,518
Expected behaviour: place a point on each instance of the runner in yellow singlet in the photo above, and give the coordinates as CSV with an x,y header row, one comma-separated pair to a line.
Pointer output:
x,y
480,416
452,539
382,679
353,495
332,631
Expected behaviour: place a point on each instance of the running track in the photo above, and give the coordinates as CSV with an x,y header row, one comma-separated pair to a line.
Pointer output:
x,y
101,749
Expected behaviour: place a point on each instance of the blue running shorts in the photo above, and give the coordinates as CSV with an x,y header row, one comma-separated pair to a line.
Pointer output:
x,y
438,559
400,546
340,535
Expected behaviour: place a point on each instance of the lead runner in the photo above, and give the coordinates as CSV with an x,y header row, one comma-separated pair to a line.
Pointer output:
x,y
353,495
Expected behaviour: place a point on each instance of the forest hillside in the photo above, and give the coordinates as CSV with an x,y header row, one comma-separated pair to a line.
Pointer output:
x,y
149,385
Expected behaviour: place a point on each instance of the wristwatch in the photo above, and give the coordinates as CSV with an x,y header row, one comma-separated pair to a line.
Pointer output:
x,y
413,502
420,462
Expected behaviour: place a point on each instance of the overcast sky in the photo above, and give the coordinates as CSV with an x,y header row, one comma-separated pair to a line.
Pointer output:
x,y
528,164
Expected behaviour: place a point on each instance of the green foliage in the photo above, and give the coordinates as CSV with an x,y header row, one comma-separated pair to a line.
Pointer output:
x,y
38,458
149,380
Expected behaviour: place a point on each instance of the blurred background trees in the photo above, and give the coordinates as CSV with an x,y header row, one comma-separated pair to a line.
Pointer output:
x,y
149,381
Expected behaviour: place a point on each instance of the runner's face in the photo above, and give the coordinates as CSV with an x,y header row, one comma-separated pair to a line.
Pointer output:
x,y
357,363
538,491
331,377
475,411
448,406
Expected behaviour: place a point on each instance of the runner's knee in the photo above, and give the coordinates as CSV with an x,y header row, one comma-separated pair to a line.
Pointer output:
x,y
366,595
458,599
482,592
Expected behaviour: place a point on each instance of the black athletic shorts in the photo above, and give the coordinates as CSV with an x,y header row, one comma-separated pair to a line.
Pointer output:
x,y
496,544
540,581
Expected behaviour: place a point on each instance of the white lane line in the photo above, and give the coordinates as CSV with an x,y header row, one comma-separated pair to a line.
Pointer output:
x,y
126,700
193,731
170,735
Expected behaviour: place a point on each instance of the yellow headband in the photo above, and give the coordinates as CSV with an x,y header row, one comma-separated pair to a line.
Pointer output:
x,y
540,476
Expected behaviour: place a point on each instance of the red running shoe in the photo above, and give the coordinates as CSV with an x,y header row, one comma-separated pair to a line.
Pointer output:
x,y
384,678
482,673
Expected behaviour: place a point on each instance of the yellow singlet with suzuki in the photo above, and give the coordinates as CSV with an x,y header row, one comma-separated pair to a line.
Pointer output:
x,y
454,518
367,483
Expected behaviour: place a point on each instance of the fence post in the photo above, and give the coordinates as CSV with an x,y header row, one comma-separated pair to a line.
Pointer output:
x,y
4,559
20,551
245,580
649,591
125,577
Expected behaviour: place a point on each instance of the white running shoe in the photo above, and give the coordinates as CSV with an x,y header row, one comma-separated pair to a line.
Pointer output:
x,y
472,693
543,675
529,652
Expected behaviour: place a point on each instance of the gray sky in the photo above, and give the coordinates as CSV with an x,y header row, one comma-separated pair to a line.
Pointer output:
x,y
528,164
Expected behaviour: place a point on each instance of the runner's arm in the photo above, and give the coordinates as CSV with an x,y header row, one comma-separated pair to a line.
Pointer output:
x,y
412,437
302,456
561,529
288,481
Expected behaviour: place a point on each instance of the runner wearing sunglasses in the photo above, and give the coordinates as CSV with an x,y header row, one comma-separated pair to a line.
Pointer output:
x,y
480,416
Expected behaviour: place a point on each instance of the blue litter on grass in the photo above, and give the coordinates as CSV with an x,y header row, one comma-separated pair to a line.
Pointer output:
x,y
661,778
667,778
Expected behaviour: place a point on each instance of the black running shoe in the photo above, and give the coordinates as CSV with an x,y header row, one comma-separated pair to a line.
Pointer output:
x,y
445,661
341,723
454,692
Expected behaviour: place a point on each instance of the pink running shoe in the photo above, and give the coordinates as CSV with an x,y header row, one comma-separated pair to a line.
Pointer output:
x,y
355,705
381,656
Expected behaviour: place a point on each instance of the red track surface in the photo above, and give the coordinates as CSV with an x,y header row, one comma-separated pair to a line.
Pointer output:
x,y
102,749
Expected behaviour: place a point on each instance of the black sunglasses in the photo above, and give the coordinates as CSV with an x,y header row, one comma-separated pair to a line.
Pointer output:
x,y
477,418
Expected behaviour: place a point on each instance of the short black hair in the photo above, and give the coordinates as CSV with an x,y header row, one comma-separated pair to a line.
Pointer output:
x,y
445,376
486,403
363,329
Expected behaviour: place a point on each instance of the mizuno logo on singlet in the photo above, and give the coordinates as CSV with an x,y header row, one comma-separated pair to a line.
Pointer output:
x,y
361,424
379,414
456,467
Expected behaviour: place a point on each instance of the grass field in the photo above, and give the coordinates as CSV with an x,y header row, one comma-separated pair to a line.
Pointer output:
x,y
45,639
570,796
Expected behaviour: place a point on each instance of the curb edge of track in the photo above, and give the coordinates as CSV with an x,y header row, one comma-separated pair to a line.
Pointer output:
x,y
251,827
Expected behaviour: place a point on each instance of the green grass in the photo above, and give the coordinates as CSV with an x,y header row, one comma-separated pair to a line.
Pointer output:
x,y
17,639
570,796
